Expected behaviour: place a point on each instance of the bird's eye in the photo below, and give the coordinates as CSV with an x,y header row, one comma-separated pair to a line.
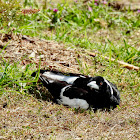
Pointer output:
x,y
101,83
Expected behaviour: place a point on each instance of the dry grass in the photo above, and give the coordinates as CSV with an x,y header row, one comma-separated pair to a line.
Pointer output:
x,y
25,117
52,55
28,118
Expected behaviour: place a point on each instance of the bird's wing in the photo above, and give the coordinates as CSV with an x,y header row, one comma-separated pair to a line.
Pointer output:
x,y
63,73
74,92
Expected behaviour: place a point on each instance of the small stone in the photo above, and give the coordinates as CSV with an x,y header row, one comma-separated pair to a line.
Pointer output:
x,y
4,105
32,55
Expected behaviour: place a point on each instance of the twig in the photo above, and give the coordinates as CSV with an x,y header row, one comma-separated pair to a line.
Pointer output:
x,y
124,64
24,37
90,53
30,11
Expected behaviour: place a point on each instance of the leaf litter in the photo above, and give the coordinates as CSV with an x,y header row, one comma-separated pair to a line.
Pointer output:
x,y
32,50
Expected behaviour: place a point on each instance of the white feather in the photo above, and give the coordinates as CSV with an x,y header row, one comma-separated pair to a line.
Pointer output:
x,y
68,79
75,103
109,86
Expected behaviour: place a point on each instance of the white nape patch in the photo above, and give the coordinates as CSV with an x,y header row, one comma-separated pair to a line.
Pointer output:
x,y
93,85
75,103
109,86
115,89
53,76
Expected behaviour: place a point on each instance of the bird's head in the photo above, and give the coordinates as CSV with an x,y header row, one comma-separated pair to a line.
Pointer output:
x,y
105,89
97,83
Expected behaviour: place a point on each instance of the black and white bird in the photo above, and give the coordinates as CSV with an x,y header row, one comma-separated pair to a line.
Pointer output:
x,y
80,91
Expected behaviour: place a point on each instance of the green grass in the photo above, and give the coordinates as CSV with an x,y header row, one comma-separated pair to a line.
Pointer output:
x,y
14,78
103,30
75,25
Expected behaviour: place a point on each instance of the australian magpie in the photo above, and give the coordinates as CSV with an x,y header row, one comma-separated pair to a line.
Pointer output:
x,y
80,91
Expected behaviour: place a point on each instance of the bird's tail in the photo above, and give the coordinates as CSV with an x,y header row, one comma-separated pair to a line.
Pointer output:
x,y
43,80
41,77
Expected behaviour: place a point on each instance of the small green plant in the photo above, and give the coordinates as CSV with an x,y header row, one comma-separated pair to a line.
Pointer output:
x,y
9,11
13,77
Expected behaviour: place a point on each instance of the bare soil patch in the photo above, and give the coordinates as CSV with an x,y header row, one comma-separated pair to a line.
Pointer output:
x,y
125,4
33,50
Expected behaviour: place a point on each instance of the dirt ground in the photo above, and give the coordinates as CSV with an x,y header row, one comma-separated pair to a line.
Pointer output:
x,y
117,4
26,117
32,50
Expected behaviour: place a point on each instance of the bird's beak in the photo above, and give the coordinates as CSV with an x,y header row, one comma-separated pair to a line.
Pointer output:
x,y
93,85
